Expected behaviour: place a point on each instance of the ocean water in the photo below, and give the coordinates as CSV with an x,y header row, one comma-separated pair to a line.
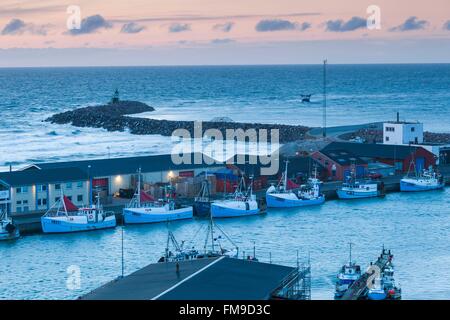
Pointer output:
x,y
414,226
269,94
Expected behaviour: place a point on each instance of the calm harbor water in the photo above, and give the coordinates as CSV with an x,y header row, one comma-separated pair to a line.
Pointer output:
x,y
415,226
268,94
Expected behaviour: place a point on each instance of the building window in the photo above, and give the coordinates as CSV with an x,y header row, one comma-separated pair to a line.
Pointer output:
x,y
390,129
39,202
80,184
69,185
25,202
80,198
19,209
42,188
413,129
70,198
25,209
42,202
19,202
22,190
57,186
387,138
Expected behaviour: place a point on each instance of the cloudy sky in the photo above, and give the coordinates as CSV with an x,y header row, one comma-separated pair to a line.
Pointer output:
x,y
179,32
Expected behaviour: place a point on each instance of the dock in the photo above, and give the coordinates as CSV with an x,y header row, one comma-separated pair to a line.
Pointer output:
x,y
359,288
215,278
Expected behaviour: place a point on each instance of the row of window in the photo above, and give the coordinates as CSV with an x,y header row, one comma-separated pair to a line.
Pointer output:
x,y
392,129
43,187
40,202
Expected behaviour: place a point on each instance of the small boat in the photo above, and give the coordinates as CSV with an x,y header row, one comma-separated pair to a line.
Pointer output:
x,y
202,203
306,97
143,209
241,203
377,290
282,197
424,181
348,274
353,189
65,217
8,230
394,292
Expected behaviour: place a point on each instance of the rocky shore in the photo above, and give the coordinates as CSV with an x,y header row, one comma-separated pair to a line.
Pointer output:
x,y
113,117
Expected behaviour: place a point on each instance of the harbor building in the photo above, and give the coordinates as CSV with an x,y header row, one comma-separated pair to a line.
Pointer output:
x,y
402,132
216,278
381,156
37,190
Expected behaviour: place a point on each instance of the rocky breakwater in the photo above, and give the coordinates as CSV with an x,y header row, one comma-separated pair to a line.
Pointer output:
x,y
114,117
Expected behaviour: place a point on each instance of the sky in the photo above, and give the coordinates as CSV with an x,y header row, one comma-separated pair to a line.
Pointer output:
x,y
218,32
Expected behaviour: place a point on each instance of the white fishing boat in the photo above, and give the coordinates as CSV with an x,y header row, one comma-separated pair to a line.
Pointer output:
x,y
354,189
424,181
348,274
241,203
8,230
282,196
64,217
144,209
377,290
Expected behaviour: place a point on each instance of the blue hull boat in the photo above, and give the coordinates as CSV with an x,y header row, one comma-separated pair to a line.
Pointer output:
x,y
60,226
408,186
345,194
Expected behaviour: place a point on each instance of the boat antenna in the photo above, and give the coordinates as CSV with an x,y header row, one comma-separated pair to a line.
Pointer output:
x,y
285,174
324,130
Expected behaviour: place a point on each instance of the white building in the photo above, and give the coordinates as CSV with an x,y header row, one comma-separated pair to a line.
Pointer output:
x,y
402,133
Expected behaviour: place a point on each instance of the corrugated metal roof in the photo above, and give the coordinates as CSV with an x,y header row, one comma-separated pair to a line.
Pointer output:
x,y
130,165
373,150
203,279
35,176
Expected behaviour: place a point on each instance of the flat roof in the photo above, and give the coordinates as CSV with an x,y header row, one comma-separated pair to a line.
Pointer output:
x,y
130,165
219,278
31,177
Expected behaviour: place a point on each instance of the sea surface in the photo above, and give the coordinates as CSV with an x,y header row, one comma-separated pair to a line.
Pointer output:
x,y
267,94
414,226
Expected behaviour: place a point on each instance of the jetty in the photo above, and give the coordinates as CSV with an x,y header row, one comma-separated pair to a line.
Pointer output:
x,y
215,278
359,288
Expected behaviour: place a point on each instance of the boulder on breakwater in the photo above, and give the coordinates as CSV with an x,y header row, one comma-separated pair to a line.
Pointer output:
x,y
113,117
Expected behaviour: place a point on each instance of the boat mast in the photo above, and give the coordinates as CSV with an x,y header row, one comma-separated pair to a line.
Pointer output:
x,y
350,253
139,188
285,175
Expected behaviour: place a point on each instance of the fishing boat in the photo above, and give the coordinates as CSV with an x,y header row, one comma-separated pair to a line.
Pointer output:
x,y
354,189
64,217
348,274
377,290
8,230
213,246
394,292
424,181
241,203
144,209
202,203
282,196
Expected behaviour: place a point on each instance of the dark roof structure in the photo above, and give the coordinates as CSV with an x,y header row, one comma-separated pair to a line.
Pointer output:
x,y
343,157
219,278
372,150
296,165
130,165
30,177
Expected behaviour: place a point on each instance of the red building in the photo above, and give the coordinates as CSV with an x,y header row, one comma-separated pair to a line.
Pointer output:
x,y
397,156
339,163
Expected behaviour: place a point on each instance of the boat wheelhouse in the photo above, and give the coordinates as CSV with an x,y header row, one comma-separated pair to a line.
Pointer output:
x,y
8,230
348,274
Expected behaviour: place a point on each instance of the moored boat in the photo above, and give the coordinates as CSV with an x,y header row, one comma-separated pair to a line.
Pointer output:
x,y
377,290
354,189
282,196
426,180
348,274
8,230
144,209
241,203
65,217
202,203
